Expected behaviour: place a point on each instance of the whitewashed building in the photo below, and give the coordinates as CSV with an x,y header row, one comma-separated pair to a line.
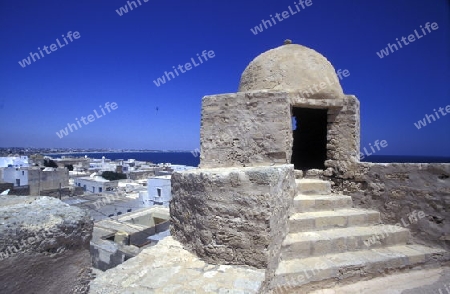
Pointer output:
x,y
14,161
159,191
102,164
15,175
94,184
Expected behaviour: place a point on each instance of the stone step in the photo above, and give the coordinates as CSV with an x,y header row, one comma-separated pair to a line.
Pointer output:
x,y
322,220
304,275
318,243
313,186
305,203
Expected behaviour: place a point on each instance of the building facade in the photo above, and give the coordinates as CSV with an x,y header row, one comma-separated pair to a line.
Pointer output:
x,y
159,191
94,184
15,175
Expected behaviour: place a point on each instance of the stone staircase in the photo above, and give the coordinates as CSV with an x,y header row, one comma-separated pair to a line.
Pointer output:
x,y
330,242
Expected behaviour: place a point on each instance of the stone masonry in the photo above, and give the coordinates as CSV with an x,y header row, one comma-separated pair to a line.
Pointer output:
x,y
399,189
44,246
248,209
235,208
239,130
233,215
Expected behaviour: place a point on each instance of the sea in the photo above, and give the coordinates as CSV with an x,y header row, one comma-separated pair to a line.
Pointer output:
x,y
192,159
182,158
406,159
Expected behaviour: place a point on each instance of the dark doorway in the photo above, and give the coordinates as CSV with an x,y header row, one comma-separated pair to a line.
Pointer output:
x,y
310,138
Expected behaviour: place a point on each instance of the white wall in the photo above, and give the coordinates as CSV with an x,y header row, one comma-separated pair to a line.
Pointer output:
x,y
92,186
102,166
12,174
159,191
143,199
21,161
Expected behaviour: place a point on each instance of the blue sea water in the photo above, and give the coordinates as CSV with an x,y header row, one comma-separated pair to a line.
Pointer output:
x,y
183,158
406,159
187,158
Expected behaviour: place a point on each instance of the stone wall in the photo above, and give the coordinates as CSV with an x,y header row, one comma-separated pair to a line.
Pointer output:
x,y
83,162
233,215
255,128
20,191
343,138
68,191
39,180
44,246
400,191
141,175
246,129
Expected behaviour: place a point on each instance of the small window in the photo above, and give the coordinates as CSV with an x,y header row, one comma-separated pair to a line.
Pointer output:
x,y
158,190
100,189
23,173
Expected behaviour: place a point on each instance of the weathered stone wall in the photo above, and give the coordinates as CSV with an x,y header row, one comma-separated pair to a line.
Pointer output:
x,y
20,191
298,99
39,180
399,189
233,215
343,138
68,191
255,128
83,162
141,175
246,129
44,246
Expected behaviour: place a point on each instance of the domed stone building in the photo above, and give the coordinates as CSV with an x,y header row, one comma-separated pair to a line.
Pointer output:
x,y
269,210
292,67
262,196
290,108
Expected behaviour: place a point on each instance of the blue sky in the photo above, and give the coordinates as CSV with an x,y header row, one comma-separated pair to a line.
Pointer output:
x,y
116,58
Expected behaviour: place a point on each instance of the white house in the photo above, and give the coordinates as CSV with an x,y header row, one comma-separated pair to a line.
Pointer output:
x,y
17,176
159,191
14,161
102,164
93,184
